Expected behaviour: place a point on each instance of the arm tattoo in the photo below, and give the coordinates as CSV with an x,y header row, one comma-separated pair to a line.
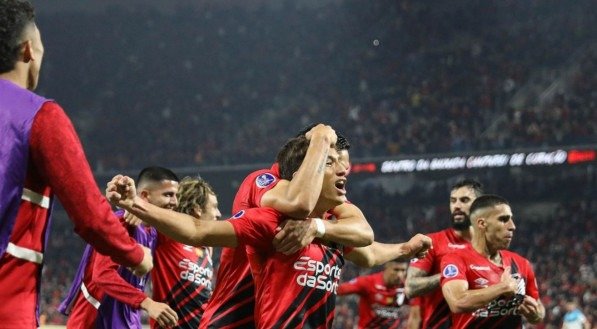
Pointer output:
x,y
420,283
321,167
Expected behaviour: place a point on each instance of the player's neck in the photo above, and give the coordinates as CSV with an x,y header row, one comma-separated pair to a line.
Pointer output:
x,y
15,77
466,234
482,247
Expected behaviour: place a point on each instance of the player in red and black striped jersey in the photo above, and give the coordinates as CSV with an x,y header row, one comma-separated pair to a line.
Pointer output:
x,y
182,275
233,302
311,273
423,274
487,286
382,298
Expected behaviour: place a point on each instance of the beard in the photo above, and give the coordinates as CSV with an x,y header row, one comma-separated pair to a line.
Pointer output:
x,y
463,224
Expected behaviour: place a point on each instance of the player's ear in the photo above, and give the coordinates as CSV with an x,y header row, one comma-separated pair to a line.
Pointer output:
x,y
481,222
197,212
144,194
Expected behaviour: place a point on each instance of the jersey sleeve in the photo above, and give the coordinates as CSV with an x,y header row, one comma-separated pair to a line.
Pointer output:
x,y
452,268
354,286
58,156
105,274
255,227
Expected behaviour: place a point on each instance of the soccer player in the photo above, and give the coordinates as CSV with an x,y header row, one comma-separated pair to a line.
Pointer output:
x,y
487,286
182,275
41,158
105,295
233,301
423,275
381,296
295,290
574,318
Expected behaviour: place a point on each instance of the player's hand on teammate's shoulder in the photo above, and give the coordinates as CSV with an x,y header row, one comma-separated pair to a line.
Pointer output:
x,y
294,235
418,246
131,219
323,131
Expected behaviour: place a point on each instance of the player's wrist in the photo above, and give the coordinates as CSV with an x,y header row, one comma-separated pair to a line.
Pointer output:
x,y
319,227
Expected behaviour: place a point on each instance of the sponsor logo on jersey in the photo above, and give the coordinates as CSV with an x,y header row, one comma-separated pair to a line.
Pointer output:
x,y
450,271
195,273
456,246
481,283
316,274
479,268
264,180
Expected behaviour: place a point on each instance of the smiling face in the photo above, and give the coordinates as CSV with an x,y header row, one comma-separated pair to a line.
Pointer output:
x,y
161,194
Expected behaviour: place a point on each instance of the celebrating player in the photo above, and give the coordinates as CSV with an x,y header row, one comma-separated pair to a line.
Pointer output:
x,y
423,275
487,286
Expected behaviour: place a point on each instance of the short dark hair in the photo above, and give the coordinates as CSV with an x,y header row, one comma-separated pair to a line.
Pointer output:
x,y
15,16
291,156
156,174
487,201
341,143
470,183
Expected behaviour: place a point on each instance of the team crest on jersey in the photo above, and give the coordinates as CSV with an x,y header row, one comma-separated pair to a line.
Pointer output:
x,y
239,214
264,180
450,271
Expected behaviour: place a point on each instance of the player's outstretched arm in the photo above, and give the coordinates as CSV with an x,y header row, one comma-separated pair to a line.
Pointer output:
x,y
297,198
178,226
462,299
380,253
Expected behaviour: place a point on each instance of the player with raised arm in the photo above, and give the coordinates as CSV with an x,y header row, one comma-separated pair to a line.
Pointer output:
x,y
487,286
295,290
106,295
423,275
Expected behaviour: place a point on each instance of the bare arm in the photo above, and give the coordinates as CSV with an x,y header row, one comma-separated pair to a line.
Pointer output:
x,y
351,229
462,299
419,283
414,317
297,198
180,227
381,253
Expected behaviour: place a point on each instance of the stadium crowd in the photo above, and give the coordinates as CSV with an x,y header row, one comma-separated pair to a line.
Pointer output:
x,y
397,77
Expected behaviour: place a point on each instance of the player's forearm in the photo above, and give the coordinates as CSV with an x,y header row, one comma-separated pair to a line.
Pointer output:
x,y
178,226
351,232
375,254
473,299
305,187
419,286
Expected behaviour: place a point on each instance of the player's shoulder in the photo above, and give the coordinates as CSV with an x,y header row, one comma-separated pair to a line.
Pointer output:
x,y
259,212
261,178
519,259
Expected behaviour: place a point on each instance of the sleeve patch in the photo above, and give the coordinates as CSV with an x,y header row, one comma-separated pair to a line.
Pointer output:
x,y
450,271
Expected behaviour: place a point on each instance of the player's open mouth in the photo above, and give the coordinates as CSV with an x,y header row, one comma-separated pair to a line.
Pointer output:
x,y
341,185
